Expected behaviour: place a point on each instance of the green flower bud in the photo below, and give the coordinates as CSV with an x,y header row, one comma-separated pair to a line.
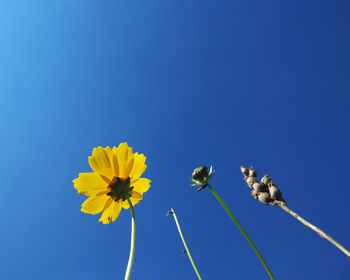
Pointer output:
x,y
200,177
200,174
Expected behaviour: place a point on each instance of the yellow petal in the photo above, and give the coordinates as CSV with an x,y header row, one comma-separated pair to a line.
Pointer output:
x,y
89,183
129,167
113,158
141,185
94,204
139,166
130,152
110,212
116,211
101,162
135,198
125,204
104,217
123,153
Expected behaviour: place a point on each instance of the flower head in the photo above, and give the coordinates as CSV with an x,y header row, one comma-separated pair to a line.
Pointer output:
x,y
115,179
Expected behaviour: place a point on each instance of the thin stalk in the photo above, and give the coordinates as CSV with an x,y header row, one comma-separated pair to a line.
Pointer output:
x,y
242,230
185,244
132,246
314,228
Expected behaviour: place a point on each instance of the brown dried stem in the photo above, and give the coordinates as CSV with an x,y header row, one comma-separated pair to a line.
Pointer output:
x,y
268,193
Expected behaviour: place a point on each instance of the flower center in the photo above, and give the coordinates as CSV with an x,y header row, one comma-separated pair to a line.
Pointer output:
x,y
120,189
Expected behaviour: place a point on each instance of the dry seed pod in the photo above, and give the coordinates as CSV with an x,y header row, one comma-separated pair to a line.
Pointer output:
x,y
255,194
252,172
250,181
274,192
256,186
277,199
264,198
265,180
244,170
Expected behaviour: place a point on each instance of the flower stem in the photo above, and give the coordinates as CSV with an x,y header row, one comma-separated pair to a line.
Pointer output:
x,y
132,246
307,224
185,244
242,230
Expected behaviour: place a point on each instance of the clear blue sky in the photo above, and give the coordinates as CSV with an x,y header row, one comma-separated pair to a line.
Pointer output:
x,y
187,83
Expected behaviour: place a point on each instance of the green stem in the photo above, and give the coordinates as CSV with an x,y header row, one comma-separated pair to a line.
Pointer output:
x,y
185,244
132,246
242,230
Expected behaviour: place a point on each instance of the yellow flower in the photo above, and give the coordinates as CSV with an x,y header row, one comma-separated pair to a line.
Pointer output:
x,y
116,177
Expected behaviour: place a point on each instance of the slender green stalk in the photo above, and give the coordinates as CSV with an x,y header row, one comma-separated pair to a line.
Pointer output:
x,y
242,230
185,244
132,246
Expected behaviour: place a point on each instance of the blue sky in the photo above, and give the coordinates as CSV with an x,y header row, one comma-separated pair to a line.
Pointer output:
x,y
187,83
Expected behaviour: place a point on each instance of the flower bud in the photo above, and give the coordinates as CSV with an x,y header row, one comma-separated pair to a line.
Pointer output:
x,y
200,174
